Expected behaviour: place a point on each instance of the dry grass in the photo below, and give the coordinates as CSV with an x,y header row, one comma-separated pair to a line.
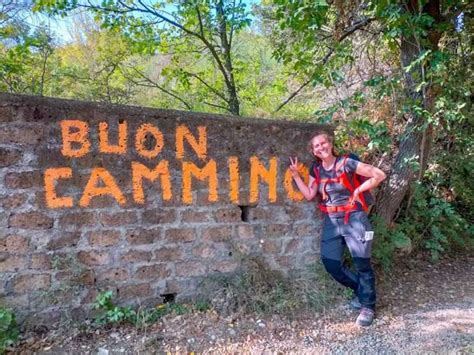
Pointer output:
x,y
255,288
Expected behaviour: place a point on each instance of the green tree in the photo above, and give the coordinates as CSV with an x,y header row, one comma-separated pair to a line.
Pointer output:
x,y
95,65
205,28
325,35
26,53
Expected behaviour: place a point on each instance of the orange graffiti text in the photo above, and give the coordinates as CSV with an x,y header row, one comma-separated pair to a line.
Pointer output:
x,y
140,171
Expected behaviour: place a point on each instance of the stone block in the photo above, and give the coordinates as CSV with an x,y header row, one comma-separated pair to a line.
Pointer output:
x,y
246,231
204,251
103,203
202,197
260,214
77,219
7,114
152,272
15,244
114,274
94,257
78,277
271,246
276,230
167,254
31,282
304,229
13,263
180,235
89,296
310,258
64,240
18,302
24,180
159,216
9,157
13,201
30,220
191,216
292,246
298,211
143,236
136,256
230,214
135,291
103,238
21,134
118,219
216,234
41,261
190,268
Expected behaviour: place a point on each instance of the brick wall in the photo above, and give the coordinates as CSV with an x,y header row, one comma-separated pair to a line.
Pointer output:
x,y
142,201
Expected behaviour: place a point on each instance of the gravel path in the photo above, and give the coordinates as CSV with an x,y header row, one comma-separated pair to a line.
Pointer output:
x,y
423,308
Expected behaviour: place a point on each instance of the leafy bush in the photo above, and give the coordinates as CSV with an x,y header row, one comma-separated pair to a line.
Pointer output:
x,y
8,329
387,241
431,223
434,224
109,313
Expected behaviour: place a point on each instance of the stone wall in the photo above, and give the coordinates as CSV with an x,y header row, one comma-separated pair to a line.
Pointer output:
x,y
145,202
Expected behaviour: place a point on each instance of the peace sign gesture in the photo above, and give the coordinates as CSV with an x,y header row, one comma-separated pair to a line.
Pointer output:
x,y
294,166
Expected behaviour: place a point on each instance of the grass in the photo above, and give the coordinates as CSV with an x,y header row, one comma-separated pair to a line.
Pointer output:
x,y
255,288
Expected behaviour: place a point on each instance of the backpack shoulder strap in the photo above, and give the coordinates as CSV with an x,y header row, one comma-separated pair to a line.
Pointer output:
x,y
355,182
344,178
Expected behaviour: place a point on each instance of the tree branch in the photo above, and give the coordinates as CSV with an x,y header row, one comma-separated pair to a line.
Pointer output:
x,y
155,85
151,11
218,106
231,32
347,33
323,62
217,93
292,96
201,27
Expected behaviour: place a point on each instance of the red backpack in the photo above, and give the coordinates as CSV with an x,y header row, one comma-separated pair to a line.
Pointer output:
x,y
350,183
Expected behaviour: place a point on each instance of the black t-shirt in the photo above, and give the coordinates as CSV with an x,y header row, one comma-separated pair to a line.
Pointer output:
x,y
337,194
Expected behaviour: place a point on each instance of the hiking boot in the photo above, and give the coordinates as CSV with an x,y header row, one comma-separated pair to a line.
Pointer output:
x,y
366,317
354,303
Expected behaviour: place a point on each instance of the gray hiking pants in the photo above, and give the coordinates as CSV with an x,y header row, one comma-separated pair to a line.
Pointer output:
x,y
337,235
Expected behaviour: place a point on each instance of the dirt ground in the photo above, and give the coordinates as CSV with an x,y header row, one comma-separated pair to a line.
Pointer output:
x,y
422,307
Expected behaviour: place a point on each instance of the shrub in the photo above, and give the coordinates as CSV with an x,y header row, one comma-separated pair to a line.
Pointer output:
x,y
8,329
110,313
431,223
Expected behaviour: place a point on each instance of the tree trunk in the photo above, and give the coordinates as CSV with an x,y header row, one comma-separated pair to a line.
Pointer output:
x,y
416,142
233,100
403,172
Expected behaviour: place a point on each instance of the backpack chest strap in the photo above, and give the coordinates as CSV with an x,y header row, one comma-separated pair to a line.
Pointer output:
x,y
342,179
